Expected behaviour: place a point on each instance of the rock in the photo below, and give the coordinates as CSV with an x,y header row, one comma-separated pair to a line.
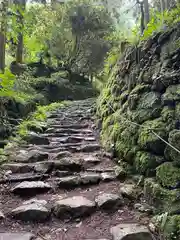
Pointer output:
x,y
171,95
17,167
73,207
74,126
62,173
149,141
120,172
63,155
146,106
30,188
145,163
144,208
37,139
174,139
68,164
1,215
162,198
108,176
43,167
31,156
129,191
109,201
90,159
24,177
32,210
16,236
130,232
89,178
168,175
69,182
89,148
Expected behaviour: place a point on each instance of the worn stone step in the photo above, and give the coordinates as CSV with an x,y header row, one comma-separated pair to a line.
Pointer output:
x,y
81,179
70,126
30,155
32,210
31,188
23,177
72,139
74,207
16,236
69,130
18,167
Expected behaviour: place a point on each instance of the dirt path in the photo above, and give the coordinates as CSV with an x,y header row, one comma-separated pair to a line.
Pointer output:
x,y
63,186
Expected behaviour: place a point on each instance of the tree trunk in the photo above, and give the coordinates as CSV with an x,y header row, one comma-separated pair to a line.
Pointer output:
x,y
19,53
3,28
146,12
2,51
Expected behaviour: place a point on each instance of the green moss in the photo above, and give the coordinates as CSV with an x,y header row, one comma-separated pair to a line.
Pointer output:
x,y
126,152
145,163
168,114
164,199
172,94
168,175
140,88
148,140
38,118
170,153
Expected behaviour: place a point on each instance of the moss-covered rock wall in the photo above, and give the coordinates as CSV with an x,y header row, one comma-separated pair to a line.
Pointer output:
x,y
140,106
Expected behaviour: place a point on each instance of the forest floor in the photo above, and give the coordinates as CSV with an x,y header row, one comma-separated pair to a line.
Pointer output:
x,y
63,185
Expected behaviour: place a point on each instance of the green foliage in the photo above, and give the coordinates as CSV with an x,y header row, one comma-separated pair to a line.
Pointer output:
x,y
161,21
38,118
8,88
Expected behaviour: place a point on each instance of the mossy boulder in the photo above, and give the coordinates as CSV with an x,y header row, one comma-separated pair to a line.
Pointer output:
x,y
174,140
168,175
148,140
172,95
162,198
145,163
168,114
145,106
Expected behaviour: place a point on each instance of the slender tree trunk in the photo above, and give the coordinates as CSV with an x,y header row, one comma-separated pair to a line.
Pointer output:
x,y
163,6
3,28
19,52
146,12
2,51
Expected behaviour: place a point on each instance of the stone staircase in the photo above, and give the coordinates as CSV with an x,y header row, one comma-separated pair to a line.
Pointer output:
x,y
63,186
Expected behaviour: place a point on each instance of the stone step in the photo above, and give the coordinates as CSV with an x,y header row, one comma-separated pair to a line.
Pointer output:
x,y
23,177
70,126
72,139
83,178
16,236
69,130
31,188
